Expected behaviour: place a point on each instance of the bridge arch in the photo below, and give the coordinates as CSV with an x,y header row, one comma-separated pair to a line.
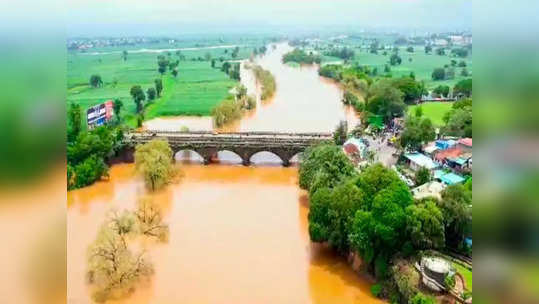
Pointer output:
x,y
266,157
188,155
229,156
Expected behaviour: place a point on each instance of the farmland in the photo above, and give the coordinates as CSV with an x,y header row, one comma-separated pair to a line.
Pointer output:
x,y
418,62
195,91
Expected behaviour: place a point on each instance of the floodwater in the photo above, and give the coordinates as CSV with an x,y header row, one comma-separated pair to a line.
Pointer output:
x,y
303,101
237,235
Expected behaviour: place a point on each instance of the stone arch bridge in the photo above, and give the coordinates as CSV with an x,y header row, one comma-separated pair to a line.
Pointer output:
x,y
244,144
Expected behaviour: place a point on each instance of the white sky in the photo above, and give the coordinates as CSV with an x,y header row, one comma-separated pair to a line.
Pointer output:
x,y
132,17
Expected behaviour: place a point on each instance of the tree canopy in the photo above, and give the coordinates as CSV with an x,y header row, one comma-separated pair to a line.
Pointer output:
x,y
154,161
385,100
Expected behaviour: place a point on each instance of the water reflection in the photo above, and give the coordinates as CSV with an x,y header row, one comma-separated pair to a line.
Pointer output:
x,y
237,235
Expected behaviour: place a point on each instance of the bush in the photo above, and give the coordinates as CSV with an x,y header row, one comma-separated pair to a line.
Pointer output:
x,y
421,298
376,290
226,111
449,281
438,74
349,98
89,171
301,56
267,82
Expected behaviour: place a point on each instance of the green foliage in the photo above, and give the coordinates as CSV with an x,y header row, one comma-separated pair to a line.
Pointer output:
x,y
417,131
406,278
151,93
378,228
117,108
158,86
449,281
418,112
425,225
225,112
341,133
138,96
349,98
86,155
463,87
88,171
319,216
96,81
376,290
411,89
459,119
422,176
428,49
154,161
324,160
410,49
75,121
441,90
332,71
343,53
266,80
385,100
421,298
395,59
455,206
460,52
438,74
301,57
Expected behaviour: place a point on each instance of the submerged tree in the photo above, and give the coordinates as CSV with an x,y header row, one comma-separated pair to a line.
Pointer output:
x,y
154,161
113,269
150,220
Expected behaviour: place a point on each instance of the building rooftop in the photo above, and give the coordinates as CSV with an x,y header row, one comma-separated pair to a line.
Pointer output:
x,y
466,142
429,189
421,160
451,178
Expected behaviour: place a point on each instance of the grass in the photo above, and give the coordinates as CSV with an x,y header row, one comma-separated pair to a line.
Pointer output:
x,y
466,274
196,90
422,64
433,110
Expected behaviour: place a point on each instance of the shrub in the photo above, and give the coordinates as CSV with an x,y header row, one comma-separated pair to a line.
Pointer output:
x,y
266,80
449,281
376,290
421,298
226,111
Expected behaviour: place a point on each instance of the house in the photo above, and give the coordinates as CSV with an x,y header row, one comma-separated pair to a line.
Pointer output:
x,y
418,160
355,148
465,144
452,179
442,154
445,144
430,189
430,149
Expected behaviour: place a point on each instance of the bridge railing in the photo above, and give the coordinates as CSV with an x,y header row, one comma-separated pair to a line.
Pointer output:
x,y
217,134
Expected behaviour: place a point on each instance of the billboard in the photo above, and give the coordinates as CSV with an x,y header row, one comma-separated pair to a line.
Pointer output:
x,y
100,114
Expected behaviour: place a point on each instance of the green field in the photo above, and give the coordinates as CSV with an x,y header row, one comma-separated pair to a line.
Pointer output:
x,y
422,64
466,274
433,110
196,90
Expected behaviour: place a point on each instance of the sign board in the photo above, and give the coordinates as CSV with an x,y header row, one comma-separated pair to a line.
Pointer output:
x,y
100,114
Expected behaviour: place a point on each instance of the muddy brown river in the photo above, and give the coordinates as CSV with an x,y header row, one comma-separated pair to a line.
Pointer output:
x,y
237,234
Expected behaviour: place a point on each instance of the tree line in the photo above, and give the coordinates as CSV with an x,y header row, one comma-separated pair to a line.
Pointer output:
x,y
373,214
